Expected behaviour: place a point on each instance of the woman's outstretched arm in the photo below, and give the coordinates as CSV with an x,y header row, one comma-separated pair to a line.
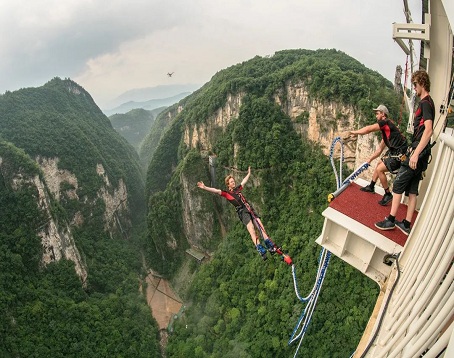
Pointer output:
x,y
246,178
207,188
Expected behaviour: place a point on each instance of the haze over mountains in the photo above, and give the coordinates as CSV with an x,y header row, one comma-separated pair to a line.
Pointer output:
x,y
149,98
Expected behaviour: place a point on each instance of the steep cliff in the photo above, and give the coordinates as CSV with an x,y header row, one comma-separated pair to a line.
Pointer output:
x,y
20,175
317,121
71,193
88,171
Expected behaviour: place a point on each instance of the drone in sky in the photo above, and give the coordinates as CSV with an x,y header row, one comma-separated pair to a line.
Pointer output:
x,y
169,74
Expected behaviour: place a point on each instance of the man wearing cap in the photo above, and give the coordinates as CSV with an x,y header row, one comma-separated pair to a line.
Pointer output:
x,y
410,173
396,143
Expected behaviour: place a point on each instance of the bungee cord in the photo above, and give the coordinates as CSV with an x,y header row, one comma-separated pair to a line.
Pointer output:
x,y
311,299
325,255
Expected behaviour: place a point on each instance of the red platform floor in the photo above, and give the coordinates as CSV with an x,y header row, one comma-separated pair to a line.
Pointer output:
x,y
363,207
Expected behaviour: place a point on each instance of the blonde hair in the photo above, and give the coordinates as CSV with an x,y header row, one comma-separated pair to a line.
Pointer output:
x,y
226,180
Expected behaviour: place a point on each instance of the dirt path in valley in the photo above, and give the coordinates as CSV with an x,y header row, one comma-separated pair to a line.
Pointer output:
x,y
164,303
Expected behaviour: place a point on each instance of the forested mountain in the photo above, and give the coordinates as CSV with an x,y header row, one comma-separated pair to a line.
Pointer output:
x,y
135,124
71,194
278,115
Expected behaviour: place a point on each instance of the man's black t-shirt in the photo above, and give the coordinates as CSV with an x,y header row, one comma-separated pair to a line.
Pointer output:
x,y
425,111
392,136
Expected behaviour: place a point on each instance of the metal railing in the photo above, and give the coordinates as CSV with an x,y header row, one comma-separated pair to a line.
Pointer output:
x,y
420,314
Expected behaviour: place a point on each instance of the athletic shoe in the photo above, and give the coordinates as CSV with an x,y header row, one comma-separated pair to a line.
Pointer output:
x,y
270,246
386,199
262,251
368,188
400,225
385,224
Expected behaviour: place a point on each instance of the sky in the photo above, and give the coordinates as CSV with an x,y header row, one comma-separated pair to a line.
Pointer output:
x,y
112,46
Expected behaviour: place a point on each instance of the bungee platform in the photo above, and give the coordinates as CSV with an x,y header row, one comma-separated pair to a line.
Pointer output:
x,y
349,231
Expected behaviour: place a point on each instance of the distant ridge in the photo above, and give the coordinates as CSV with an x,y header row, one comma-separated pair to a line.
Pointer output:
x,y
148,93
148,105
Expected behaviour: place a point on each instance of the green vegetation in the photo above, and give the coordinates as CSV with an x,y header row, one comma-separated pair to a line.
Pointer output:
x,y
45,309
61,120
329,75
134,125
248,307
238,304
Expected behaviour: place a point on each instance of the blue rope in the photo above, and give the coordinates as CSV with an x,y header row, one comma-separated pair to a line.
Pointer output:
x,y
305,299
331,158
324,257
312,298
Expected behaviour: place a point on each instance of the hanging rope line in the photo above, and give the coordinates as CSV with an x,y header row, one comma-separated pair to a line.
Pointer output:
x,y
404,94
306,316
311,299
331,159
324,257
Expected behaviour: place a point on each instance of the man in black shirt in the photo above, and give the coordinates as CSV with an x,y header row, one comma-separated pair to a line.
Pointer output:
x,y
396,143
410,172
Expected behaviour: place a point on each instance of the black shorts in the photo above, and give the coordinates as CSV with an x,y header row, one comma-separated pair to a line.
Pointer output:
x,y
245,216
407,179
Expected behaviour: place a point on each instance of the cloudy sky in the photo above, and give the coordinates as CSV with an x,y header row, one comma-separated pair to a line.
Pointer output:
x,y
111,46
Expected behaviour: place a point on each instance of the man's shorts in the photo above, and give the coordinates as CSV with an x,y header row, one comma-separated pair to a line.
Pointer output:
x,y
407,179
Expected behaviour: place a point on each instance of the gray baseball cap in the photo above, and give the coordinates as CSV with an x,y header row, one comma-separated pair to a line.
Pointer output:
x,y
382,108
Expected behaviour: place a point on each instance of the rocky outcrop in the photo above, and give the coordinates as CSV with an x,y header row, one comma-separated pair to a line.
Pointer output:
x,y
116,202
317,121
196,225
56,237
202,134
55,177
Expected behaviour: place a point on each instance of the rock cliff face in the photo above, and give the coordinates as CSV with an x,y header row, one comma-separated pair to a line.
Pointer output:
x,y
196,225
314,120
56,237
317,121
202,134
116,204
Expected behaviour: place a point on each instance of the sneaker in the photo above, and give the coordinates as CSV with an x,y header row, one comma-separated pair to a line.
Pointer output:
x,y
400,225
385,224
270,246
368,188
261,251
386,199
